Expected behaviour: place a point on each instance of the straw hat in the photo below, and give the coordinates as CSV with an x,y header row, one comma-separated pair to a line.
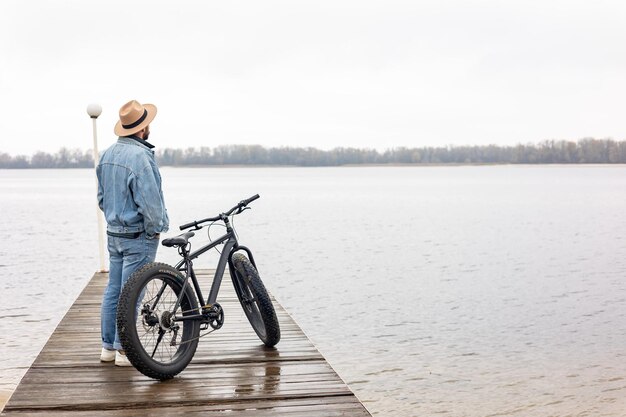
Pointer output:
x,y
134,116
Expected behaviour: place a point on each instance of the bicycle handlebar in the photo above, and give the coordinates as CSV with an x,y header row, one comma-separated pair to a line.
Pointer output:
x,y
241,205
250,200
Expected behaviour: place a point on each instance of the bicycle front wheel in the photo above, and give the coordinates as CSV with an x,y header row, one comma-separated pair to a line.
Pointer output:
x,y
255,300
156,344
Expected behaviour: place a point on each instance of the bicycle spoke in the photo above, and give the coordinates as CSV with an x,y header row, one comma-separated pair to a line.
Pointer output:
x,y
161,333
159,294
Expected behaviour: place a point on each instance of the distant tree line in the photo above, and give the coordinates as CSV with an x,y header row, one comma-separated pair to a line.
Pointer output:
x,y
584,151
64,158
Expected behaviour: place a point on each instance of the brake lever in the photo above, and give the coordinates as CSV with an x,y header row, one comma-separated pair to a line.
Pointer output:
x,y
242,209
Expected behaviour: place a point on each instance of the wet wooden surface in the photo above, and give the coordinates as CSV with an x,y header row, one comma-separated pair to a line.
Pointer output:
x,y
231,374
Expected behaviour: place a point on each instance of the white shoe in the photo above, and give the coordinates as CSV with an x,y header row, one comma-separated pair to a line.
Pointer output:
x,y
121,359
107,355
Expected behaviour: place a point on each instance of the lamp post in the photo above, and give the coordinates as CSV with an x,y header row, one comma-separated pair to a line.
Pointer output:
x,y
94,110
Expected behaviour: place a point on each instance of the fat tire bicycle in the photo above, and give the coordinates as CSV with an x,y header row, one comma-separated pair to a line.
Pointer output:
x,y
159,318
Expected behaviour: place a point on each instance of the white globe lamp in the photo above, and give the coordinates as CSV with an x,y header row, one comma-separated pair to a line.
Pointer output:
x,y
94,110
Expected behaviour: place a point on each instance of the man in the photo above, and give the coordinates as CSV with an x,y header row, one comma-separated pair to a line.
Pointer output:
x,y
130,195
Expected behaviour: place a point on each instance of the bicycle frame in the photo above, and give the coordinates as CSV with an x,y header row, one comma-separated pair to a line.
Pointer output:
x,y
187,265
231,246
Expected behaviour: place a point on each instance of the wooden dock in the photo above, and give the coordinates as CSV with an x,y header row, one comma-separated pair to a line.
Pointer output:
x,y
231,374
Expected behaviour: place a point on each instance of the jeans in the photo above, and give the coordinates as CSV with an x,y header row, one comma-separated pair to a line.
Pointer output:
x,y
125,257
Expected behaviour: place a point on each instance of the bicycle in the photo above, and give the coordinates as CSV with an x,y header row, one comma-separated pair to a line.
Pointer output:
x,y
159,318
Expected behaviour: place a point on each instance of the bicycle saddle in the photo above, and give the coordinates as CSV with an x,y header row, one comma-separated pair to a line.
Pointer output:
x,y
179,240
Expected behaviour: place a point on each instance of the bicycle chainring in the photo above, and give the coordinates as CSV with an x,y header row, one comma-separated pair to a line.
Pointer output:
x,y
214,316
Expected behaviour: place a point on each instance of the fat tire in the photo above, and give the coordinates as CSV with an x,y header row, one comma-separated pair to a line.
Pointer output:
x,y
127,322
244,270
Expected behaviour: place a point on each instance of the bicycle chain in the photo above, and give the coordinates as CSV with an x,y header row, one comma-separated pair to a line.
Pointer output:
x,y
202,335
196,338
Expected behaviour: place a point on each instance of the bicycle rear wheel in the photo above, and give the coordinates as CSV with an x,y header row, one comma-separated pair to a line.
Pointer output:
x,y
255,300
155,344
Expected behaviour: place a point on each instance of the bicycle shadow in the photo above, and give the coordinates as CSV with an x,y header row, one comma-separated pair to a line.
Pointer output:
x,y
219,381
269,383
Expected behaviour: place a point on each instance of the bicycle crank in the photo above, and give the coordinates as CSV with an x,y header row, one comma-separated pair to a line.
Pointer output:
x,y
213,316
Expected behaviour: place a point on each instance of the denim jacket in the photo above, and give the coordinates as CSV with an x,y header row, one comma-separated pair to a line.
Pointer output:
x,y
129,189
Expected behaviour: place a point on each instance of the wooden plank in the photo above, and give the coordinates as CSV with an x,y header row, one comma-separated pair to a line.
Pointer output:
x,y
231,372
318,407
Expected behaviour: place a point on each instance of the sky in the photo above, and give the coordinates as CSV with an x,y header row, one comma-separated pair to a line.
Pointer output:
x,y
352,73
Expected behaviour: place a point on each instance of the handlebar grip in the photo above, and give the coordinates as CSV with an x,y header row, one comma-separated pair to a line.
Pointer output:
x,y
251,199
188,225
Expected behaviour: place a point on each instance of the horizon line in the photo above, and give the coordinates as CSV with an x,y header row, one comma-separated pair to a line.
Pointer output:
x,y
379,150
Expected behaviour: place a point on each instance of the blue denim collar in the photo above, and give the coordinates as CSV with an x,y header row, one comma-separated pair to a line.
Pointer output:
x,y
137,140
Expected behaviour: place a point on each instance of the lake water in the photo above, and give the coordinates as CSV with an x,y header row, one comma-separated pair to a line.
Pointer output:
x,y
466,291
